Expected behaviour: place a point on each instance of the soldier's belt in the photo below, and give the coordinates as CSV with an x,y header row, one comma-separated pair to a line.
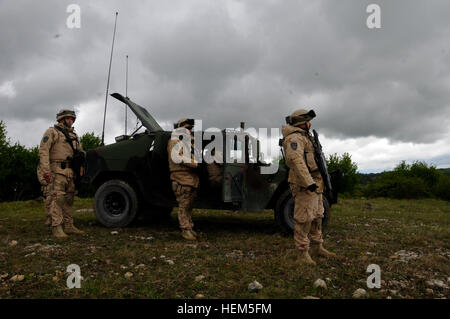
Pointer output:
x,y
63,164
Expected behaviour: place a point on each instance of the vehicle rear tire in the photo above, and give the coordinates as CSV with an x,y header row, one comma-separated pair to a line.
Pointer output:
x,y
116,204
284,212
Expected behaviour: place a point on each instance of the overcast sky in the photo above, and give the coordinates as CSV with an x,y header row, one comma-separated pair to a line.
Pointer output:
x,y
382,95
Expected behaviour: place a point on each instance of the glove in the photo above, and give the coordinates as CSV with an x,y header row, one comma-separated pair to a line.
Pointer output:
x,y
312,187
47,177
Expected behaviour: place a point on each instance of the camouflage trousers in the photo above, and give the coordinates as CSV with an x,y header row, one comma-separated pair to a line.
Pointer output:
x,y
61,192
185,197
308,214
47,200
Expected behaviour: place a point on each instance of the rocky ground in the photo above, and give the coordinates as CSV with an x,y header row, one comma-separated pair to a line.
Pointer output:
x,y
238,255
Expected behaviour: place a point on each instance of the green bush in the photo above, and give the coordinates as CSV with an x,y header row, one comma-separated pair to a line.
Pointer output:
x,y
417,180
349,176
393,185
443,187
90,141
18,179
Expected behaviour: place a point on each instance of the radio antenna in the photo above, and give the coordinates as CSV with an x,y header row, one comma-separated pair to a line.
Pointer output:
x,y
107,84
126,95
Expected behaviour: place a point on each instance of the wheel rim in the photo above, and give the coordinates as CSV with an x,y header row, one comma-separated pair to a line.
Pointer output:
x,y
115,204
288,213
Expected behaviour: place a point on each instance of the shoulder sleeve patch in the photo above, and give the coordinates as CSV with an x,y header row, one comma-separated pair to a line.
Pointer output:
x,y
45,139
294,145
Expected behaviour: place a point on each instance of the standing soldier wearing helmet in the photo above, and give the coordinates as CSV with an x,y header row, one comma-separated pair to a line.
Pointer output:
x,y
185,181
306,185
45,188
59,155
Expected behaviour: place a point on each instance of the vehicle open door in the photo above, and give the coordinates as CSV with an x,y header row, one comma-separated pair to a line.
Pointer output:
x,y
233,175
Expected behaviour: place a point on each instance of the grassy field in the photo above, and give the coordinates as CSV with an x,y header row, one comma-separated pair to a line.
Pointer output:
x,y
408,239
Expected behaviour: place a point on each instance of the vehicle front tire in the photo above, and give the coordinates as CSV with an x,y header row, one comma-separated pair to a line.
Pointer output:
x,y
115,204
284,212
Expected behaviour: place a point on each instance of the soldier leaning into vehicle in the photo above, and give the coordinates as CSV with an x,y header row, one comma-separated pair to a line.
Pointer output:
x,y
306,185
215,169
185,181
59,148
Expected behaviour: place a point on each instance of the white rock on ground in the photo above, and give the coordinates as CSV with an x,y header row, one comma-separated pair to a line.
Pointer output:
x,y
319,283
359,293
393,292
436,283
17,278
128,275
199,278
199,296
255,286
85,210
13,243
405,256
170,262
114,232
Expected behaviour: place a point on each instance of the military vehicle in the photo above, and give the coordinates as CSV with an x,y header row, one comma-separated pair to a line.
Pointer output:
x,y
131,177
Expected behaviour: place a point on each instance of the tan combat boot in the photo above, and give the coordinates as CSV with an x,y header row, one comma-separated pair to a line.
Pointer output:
x,y
318,250
58,232
188,235
305,258
71,229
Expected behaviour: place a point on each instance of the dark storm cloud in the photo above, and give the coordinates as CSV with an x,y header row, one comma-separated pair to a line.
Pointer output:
x,y
231,61
50,66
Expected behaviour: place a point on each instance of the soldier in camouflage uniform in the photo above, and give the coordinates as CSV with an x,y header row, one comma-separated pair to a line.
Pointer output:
x,y
215,169
56,174
45,194
306,186
185,181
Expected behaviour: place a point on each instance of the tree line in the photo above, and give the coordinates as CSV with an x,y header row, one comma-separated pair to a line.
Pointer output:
x,y
18,179
405,181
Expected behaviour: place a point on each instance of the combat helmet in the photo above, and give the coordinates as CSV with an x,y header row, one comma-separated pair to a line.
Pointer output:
x,y
184,122
65,113
300,116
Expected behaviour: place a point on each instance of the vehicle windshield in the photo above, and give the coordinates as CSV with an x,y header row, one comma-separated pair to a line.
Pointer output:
x,y
147,120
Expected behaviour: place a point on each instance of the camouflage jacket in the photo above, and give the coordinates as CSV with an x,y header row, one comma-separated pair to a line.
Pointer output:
x,y
299,152
181,165
54,150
